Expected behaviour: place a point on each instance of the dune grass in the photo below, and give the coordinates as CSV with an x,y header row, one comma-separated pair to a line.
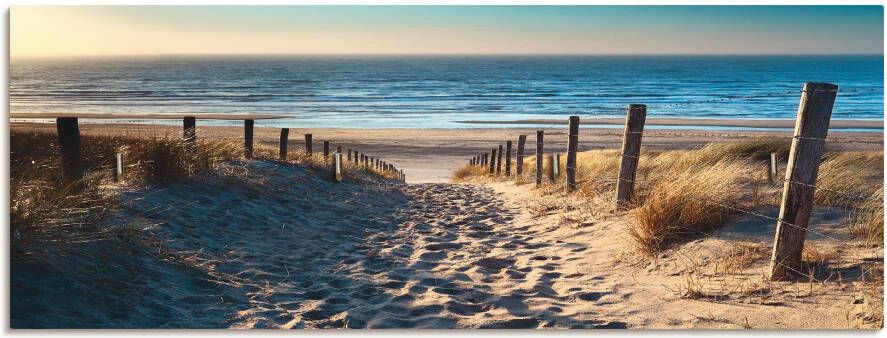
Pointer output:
x,y
685,193
47,216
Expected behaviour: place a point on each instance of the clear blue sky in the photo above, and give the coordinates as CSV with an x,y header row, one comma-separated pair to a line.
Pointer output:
x,y
59,30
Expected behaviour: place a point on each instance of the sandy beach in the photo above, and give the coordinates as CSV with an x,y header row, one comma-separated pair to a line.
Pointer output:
x,y
431,155
369,253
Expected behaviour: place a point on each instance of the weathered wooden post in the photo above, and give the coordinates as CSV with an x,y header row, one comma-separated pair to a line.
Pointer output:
x,y
772,173
519,168
338,149
349,154
69,145
554,161
337,167
483,162
309,146
284,143
539,141
118,172
248,138
507,158
499,161
631,152
811,128
189,134
326,150
572,148
492,161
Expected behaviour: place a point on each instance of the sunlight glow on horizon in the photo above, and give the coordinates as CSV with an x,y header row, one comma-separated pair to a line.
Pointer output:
x,y
177,30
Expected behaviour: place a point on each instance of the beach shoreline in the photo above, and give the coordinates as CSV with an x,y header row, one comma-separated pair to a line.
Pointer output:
x,y
431,155
695,122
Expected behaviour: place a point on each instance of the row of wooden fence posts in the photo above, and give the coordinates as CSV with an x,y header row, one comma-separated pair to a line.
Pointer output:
x,y
811,128
68,132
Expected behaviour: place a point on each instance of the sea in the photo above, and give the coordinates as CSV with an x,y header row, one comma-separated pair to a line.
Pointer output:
x,y
444,91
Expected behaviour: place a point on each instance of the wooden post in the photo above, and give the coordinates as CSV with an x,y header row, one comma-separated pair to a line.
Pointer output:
x,y
507,158
337,167
248,138
483,162
811,127
631,152
189,134
554,161
309,146
519,168
572,148
284,139
338,149
492,161
69,144
539,150
118,173
499,161
326,150
772,173
349,154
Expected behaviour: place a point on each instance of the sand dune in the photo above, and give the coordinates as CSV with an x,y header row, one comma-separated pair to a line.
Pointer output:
x,y
265,245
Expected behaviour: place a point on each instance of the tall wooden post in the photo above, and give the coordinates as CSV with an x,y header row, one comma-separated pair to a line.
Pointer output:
x,y
811,127
507,158
248,138
499,161
189,134
631,152
349,154
519,167
539,150
572,148
338,149
284,143
492,161
483,161
69,145
772,173
309,146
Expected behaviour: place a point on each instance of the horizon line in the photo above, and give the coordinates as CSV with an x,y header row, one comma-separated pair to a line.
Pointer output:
x,y
433,54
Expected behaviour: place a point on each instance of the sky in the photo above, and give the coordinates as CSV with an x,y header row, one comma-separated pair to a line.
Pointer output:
x,y
173,30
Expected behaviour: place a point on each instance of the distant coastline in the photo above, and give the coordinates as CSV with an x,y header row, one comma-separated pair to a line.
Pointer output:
x,y
700,122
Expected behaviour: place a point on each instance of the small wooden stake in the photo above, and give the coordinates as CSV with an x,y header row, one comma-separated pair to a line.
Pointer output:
x,y
572,148
337,167
189,134
284,143
248,138
507,158
772,173
521,140
492,161
118,173
539,151
69,144
326,150
631,152
499,162
309,146
554,161
811,128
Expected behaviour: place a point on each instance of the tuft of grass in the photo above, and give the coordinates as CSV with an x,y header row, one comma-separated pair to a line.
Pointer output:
x,y
849,177
867,219
689,203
